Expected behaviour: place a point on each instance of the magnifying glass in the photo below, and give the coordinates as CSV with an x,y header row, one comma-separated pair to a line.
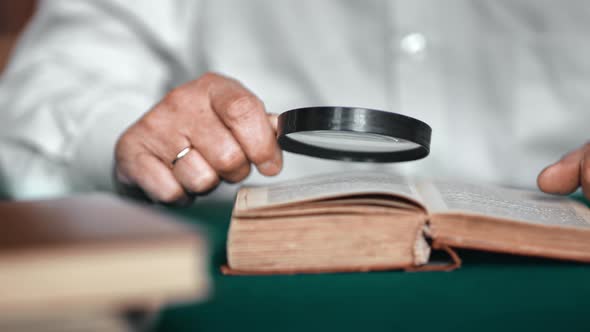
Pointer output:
x,y
353,134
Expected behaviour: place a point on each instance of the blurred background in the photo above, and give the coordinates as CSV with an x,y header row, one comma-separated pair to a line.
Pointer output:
x,y
492,291
14,15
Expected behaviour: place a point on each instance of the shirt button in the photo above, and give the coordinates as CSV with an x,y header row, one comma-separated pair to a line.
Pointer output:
x,y
414,44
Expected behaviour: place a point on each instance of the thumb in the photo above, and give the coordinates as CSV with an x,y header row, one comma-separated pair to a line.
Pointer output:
x,y
564,176
274,120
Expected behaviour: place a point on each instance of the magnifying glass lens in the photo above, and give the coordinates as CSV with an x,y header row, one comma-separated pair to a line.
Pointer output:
x,y
353,134
352,141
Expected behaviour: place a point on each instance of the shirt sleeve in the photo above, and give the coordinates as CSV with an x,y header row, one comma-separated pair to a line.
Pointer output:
x,y
81,73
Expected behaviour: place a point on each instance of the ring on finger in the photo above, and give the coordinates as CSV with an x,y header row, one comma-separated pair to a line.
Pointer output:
x,y
181,154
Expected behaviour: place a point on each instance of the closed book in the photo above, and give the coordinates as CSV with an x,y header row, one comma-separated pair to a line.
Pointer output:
x,y
96,253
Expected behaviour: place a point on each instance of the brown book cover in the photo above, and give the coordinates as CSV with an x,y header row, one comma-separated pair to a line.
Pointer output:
x,y
96,252
373,221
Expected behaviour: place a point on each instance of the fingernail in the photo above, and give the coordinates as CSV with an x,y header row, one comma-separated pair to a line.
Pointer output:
x,y
548,171
122,178
183,201
268,168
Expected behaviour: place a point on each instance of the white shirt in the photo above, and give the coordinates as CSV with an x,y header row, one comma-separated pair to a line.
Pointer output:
x,y
505,85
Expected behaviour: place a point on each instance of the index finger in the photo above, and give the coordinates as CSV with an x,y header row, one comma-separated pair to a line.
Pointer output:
x,y
244,114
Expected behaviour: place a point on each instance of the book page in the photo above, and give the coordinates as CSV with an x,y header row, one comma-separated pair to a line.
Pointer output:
x,y
327,186
528,206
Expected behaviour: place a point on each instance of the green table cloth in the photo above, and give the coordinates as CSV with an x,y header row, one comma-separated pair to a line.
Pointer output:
x,y
490,292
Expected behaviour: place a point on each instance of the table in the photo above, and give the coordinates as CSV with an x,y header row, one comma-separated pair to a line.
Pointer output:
x,y
490,292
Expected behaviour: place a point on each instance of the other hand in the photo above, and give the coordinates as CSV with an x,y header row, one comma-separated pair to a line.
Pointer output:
x,y
224,125
568,174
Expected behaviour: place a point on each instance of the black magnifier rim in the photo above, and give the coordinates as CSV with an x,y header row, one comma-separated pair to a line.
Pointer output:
x,y
354,119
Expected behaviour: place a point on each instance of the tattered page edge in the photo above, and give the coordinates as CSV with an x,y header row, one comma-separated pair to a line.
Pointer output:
x,y
455,263
226,270
421,257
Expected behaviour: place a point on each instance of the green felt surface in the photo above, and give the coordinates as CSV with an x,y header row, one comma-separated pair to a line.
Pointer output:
x,y
490,292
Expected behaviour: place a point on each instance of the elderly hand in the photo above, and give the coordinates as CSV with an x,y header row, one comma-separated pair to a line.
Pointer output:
x,y
225,126
568,174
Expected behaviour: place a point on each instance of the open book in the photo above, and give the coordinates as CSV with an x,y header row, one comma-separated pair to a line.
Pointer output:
x,y
374,221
